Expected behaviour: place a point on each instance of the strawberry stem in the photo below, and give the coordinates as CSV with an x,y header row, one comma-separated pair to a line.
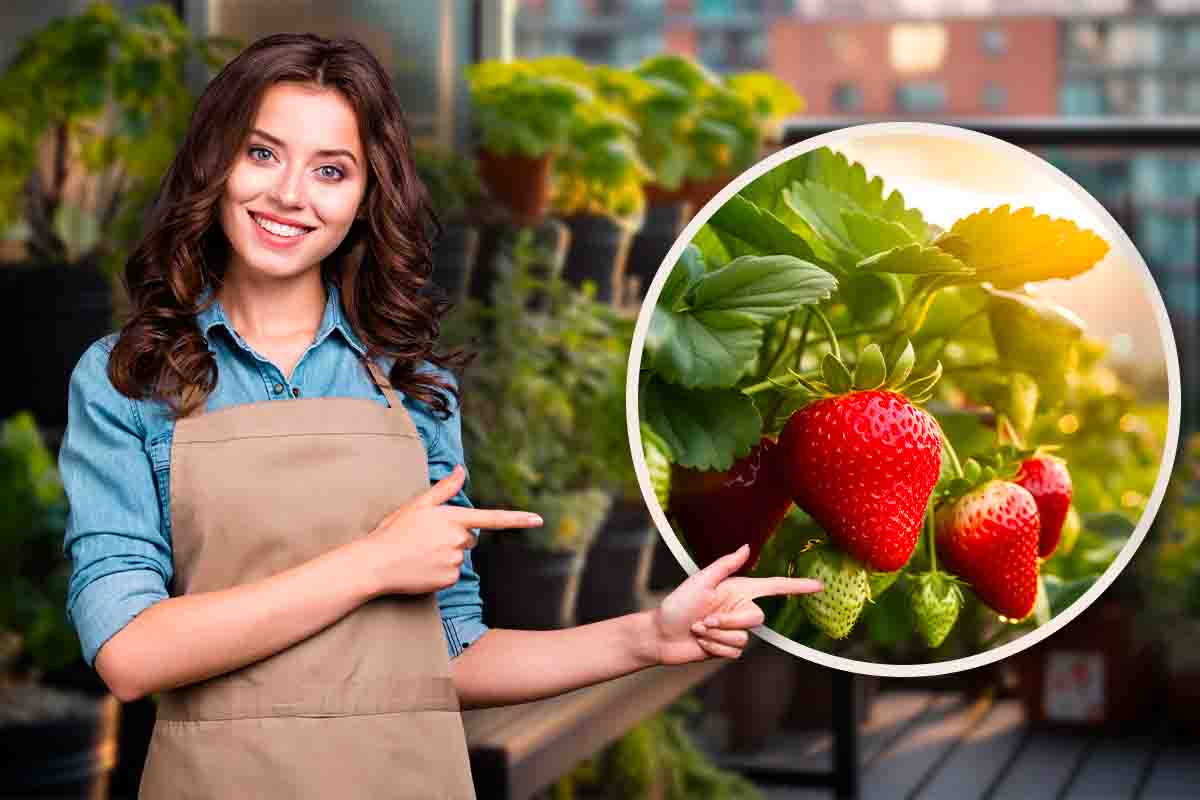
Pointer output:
x,y
808,318
929,532
783,343
833,342
954,462
1007,429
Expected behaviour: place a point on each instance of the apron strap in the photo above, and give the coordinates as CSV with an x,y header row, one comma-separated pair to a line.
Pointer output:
x,y
382,382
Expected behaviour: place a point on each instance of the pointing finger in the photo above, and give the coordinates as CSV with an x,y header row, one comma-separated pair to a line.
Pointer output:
x,y
723,567
495,519
763,587
444,490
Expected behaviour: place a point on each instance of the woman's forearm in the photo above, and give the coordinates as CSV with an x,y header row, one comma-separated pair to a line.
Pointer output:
x,y
192,637
510,666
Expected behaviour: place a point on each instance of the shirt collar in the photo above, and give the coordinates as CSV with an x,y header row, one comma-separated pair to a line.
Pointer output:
x,y
331,320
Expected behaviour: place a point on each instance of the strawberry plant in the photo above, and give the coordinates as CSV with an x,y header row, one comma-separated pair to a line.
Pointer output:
x,y
871,399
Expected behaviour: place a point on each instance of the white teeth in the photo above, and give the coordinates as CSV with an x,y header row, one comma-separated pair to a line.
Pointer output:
x,y
277,228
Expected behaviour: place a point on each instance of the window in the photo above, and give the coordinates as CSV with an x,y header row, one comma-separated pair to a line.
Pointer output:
x,y
916,47
847,98
993,96
1081,98
921,96
993,41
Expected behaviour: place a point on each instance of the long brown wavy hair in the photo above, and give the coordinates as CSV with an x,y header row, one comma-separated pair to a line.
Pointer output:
x,y
382,267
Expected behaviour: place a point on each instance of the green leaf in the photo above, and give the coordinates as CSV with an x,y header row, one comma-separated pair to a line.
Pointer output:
x,y
836,375
914,259
1033,334
743,219
873,298
658,463
902,364
764,288
706,350
702,429
712,247
850,179
687,270
1061,594
871,371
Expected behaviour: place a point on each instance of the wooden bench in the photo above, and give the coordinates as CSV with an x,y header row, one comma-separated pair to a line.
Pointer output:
x,y
517,751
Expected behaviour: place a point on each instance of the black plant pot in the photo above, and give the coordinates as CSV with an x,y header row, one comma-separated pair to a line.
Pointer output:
x,y
525,587
652,243
598,251
54,312
665,570
56,744
618,565
454,259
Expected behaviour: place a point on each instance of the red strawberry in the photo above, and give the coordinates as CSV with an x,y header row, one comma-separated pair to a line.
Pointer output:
x,y
719,511
863,466
1047,479
989,536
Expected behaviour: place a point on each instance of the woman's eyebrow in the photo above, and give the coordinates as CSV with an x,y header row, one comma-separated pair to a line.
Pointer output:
x,y
279,143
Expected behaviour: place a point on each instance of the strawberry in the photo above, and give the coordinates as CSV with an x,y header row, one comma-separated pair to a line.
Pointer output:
x,y
836,607
719,511
989,536
1046,478
863,465
935,599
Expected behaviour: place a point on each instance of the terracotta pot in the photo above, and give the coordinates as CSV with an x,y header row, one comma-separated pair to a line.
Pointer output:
x,y
698,193
661,196
519,183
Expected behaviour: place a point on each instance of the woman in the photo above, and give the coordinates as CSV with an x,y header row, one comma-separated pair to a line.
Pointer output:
x,y
253,530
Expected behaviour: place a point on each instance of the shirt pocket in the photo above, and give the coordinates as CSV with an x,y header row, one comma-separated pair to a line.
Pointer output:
x,y
159,450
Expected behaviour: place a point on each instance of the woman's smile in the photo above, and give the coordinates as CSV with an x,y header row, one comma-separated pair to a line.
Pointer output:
x,y
276,233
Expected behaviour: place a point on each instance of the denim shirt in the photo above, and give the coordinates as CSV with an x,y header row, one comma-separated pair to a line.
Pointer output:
x,y
115,462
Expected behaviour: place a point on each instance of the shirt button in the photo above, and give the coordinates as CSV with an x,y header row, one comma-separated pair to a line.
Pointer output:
x,y
295,391
278,388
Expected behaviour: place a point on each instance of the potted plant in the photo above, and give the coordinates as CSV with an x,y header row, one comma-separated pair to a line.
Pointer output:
x,y
658,758
456,193
529,442
58,726
91,109
1168,564
522,115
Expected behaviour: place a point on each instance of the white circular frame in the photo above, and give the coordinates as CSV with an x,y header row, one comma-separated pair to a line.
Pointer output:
x,y
1126,248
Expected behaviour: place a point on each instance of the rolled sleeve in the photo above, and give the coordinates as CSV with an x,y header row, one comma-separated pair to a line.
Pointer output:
x,y
119,553
460,605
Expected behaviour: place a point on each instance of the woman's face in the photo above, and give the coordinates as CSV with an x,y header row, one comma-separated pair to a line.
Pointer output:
x,y
296,184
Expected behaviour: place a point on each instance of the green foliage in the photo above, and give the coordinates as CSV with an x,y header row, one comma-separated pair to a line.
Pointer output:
x,y
33,571
543,412
110,96
453,182
817,279
656,758
520,107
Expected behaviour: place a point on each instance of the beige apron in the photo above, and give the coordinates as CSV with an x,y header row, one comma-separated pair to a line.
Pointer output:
x,y
362,709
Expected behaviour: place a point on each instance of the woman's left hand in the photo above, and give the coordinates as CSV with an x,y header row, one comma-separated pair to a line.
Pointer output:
x,y
710,613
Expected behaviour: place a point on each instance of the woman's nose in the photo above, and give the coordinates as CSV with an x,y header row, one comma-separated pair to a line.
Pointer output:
x,y
288,190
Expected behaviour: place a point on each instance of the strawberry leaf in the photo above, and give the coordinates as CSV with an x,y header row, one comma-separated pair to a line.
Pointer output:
x,y
914,258
658,463
706,350
687,270
1009,248
1062,594
850,179
742,219
701,429
764,288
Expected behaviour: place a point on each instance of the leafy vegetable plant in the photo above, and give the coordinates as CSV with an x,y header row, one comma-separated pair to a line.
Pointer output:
x,y
858,394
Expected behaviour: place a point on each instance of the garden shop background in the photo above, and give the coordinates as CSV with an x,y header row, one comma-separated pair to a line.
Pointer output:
x,y
1087,62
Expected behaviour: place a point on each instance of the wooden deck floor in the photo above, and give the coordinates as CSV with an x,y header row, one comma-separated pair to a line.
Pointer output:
x,y
928,746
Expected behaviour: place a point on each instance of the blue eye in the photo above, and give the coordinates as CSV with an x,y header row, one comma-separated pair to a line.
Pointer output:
x,y
255,149
338,174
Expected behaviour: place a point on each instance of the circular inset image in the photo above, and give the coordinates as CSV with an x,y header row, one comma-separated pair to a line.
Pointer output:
x,y
921,365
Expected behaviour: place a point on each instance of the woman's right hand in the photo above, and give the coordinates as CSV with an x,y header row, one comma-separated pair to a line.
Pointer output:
x,y
418,548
